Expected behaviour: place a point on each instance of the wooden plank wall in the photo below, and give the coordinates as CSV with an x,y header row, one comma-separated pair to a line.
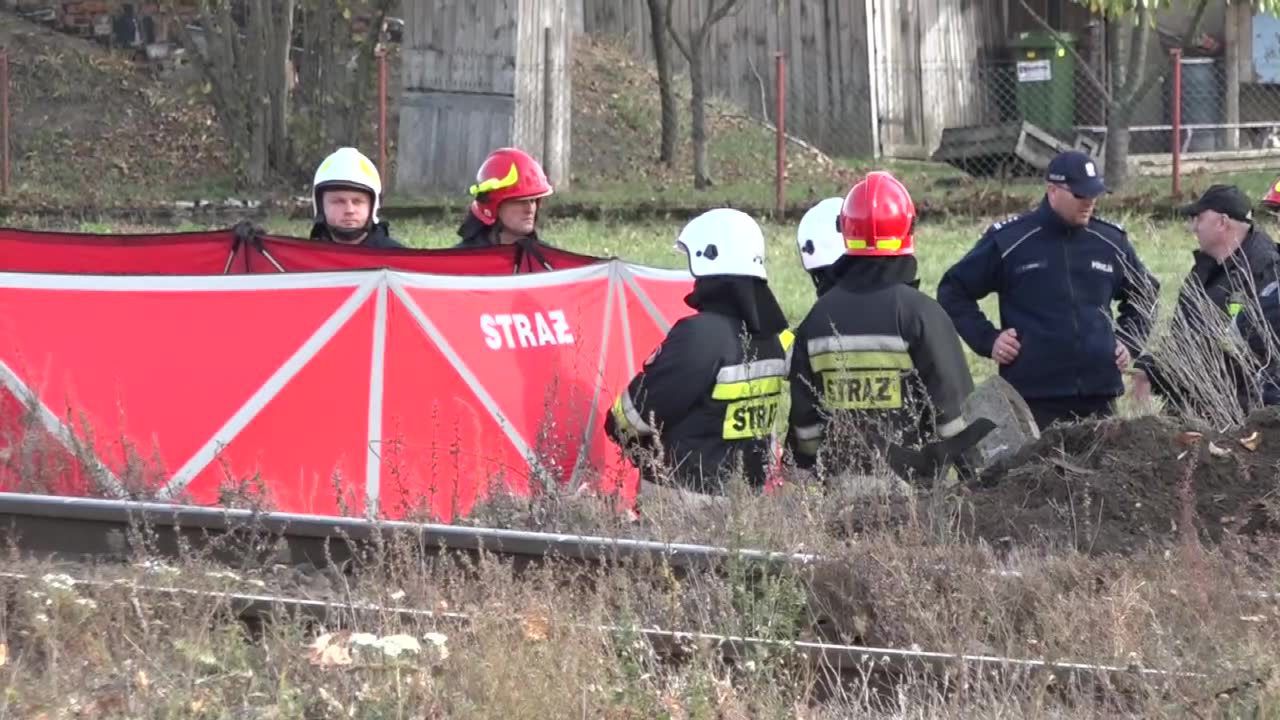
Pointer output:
x,y
543,85
932,70
458,102
825,45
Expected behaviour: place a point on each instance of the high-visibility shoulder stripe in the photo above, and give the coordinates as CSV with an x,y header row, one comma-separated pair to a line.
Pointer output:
x,y
861,360
744,389
752,370
844,343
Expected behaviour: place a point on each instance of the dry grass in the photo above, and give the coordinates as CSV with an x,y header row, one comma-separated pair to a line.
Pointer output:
x,y
528,648
530,644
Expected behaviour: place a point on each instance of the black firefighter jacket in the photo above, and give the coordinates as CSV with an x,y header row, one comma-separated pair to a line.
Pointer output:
x,y
1240,295
875,361
711,394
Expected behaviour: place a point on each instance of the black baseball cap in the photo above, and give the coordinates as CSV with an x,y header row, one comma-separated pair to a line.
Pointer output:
x,y
1078,172
1226,199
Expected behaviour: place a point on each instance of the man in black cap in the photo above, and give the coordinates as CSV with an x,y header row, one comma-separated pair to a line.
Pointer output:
x,y
1232,289
1057,269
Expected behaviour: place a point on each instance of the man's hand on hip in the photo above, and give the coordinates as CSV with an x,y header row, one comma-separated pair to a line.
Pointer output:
x,y
1005,349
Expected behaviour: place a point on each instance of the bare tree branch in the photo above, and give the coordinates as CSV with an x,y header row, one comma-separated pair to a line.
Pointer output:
x,y
1155,78
1139,40
675,36
718,13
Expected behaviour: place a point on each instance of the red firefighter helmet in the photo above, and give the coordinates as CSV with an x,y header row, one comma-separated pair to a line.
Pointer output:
x,y
507,174
878,217
1271,200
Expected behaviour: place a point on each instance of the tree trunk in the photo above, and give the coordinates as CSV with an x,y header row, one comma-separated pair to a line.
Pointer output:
x,y
698,114
256,111
1116,150
245,66
280,68
666,93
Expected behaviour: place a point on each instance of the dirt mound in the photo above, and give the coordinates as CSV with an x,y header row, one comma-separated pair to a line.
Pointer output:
x,y
1115,486
617,130
93,126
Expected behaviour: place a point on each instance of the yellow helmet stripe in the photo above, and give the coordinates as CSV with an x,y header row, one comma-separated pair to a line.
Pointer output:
x,y
513,177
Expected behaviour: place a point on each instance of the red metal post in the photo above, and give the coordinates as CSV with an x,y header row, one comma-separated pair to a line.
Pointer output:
x,y
382,111
1175,55
4,120
780,171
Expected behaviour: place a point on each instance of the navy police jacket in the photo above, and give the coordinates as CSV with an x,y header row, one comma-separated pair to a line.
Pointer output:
x,y
1056,283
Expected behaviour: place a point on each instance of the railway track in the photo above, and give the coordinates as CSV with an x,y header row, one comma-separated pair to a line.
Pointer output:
x,y
839,663
84,530
72,528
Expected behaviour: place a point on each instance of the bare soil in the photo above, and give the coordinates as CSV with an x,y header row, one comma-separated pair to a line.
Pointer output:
x,y
1120,486
93,126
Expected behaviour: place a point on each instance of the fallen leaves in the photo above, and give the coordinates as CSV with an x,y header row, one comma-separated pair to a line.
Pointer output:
x,y
4,654
330,650
535,627
335,649
1217,451
1252,442
1189,438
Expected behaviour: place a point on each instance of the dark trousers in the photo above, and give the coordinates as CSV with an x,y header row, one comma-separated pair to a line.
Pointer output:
x,y
1048,411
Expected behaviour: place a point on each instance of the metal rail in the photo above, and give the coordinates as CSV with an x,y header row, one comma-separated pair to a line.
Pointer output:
x,y
842,660
88,527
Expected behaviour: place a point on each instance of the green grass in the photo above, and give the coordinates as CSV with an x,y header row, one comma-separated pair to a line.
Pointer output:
x,y
1165,247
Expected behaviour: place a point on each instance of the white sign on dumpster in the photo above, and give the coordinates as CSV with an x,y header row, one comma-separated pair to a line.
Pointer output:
x,y
1034,71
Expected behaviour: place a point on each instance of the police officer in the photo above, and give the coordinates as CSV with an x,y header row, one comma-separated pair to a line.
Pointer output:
x,y
1057,270
1233,286
711,394
876,364
820,242
345,196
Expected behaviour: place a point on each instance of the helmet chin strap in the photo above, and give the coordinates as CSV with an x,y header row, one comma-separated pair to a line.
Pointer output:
x,y
348,233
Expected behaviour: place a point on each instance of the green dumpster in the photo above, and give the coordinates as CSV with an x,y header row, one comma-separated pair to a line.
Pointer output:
x,y
1045,80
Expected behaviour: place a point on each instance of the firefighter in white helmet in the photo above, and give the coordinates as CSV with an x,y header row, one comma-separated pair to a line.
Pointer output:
x,y
821,243
711,394
345,196
878,368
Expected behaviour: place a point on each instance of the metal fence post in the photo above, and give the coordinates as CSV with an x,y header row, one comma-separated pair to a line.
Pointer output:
x,y
780,68
4,120
1175,55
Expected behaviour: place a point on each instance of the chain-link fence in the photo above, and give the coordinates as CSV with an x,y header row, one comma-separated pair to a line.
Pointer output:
x,y
1001,120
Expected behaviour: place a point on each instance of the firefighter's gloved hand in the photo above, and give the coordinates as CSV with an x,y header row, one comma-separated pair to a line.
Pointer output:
x,y
953,448
925,464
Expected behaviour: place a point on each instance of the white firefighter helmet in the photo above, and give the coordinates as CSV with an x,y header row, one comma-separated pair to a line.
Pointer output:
x,y
347,168
723,242
818,236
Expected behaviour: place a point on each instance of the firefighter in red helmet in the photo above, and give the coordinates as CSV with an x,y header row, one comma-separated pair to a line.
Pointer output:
x,y
1271,201
877,367
506,197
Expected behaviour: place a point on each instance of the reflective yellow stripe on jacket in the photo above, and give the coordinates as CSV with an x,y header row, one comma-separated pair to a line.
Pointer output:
x,y
627,418
754,393
860,372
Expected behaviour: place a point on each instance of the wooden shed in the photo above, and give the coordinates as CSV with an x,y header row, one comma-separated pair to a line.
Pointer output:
x,y
478,76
